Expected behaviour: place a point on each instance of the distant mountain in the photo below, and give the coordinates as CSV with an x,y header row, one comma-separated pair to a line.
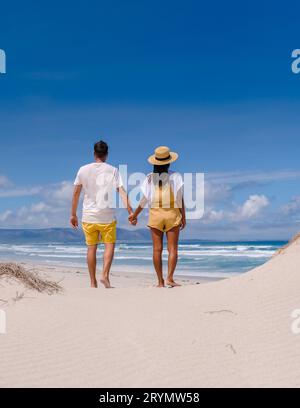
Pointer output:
x,y
63,235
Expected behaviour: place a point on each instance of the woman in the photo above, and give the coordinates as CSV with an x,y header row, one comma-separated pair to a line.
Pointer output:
x,y
163,191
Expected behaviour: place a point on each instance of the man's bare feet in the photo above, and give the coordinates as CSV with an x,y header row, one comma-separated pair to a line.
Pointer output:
x,y
94,284
161,284
173,284
105,282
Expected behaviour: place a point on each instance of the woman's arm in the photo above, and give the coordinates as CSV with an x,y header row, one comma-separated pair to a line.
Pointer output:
x,y
182,210
144,201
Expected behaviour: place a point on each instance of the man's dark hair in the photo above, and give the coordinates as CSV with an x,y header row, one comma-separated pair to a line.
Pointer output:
x,y
101,149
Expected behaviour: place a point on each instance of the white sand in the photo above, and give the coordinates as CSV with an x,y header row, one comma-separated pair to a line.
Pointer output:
x,y
232,333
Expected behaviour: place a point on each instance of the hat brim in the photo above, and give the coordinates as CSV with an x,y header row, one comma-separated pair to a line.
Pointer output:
x,y
173,157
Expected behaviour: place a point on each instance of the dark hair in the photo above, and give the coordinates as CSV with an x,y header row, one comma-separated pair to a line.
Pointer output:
x,y
101,149
161,170
164,168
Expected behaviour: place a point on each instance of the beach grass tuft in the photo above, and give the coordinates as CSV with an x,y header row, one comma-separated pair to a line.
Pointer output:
x,y
29,279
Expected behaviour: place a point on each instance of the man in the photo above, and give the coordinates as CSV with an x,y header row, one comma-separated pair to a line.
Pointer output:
x,y
99,181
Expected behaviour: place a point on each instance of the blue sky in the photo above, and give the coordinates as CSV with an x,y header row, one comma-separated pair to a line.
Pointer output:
x,y
213,81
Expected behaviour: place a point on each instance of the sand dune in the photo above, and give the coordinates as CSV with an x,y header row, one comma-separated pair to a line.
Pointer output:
x,y
231,333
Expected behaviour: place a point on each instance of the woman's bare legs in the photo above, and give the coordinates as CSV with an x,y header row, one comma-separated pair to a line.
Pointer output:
x,y
173,238
157,238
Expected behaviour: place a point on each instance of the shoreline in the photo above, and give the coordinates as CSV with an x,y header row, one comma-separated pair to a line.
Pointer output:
x,y
122,276
195,261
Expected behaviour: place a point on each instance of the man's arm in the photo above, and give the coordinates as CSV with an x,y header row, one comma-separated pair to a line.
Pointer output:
x,y
75,202
125,199
133,218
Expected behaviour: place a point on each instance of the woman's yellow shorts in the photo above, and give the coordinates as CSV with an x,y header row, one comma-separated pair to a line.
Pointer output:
x,y
100,233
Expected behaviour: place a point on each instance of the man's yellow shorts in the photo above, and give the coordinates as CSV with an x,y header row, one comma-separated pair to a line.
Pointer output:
x,y
100,233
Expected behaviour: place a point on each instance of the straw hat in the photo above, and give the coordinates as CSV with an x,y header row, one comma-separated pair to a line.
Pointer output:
x,y
162,155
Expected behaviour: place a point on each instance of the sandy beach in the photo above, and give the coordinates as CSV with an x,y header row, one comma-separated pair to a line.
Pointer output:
x,y
230,333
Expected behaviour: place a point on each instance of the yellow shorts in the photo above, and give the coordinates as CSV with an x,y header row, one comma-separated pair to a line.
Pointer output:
x,y
164,219
100,233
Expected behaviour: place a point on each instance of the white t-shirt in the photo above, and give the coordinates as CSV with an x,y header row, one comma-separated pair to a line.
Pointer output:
x,y
99,182
175,179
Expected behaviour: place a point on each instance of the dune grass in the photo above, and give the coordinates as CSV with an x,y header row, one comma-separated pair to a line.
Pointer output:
x,y
28,278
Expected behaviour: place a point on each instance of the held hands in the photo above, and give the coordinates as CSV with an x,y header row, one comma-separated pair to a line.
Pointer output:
x,y
133,219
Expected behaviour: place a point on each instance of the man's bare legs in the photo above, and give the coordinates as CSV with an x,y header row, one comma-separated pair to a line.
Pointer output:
x,y
108,257
173,238
157,238
92,264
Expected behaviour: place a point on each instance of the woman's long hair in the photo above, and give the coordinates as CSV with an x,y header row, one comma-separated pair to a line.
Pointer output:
x,y
160,169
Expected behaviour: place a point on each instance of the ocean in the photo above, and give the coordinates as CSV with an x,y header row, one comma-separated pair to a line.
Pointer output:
x,y
196,258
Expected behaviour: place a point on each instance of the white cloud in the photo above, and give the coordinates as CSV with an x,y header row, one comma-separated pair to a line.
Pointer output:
x,y
36,215
238,177
52,209
4,181
9,190
292,207
222,188
6,215
42,207
215,215
20,192
216,192
60,194
252,207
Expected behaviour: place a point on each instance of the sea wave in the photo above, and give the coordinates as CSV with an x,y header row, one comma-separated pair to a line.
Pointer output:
x,y
201,259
